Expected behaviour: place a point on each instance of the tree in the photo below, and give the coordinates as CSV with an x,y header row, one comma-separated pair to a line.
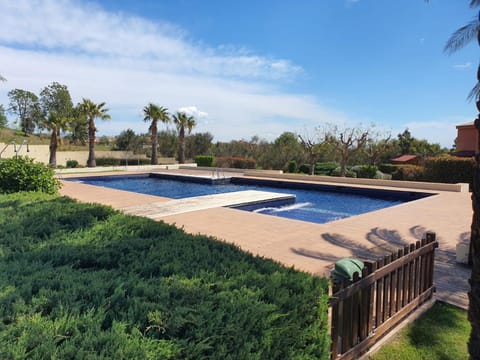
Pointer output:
x,y
313,150
458,40
3,118
184,123
405,140
127,140
374,148
57,107
92,111
78,127
286,147
155,113
168,142
346,142
25,105
198,144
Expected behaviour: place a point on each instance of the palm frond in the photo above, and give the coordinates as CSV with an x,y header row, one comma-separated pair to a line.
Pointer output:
x,y
462,36
474,94
474,3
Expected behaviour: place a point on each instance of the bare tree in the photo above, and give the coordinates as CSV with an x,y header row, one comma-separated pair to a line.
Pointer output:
x,y
312,149
346,141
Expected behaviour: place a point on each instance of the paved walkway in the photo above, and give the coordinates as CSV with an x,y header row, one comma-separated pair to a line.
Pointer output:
x,y
314,247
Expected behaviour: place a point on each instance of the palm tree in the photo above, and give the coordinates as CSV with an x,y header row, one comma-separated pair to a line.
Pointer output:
x,y
183,122
55,124
92,111
459,39
154,113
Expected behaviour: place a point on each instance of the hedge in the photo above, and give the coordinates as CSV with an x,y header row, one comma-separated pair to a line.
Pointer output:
x,y
204,160
409,173
84,281
235,162
120,162
449,169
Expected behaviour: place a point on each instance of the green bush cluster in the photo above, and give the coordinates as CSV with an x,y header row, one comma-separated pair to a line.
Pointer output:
x,y
72,163
409,173
292,167
325,168
365,171
388,168
23,174
304,169
204,160
349,173
84,281
120,162
449,169
235,162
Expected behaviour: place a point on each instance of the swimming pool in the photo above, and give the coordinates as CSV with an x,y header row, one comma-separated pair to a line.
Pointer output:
x,y
314,203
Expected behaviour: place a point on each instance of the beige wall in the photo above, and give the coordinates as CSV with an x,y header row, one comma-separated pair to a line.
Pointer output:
x,y
41,153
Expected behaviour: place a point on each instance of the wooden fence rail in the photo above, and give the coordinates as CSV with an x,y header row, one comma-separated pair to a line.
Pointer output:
x,y
389,289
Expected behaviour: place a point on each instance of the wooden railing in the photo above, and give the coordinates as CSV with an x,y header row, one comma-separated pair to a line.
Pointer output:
x,y
367,308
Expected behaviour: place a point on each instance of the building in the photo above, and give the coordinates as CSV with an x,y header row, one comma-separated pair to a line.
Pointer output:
x,y
467,140
407,160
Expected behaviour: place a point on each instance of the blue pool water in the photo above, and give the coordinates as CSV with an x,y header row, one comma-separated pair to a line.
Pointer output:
x,y
312,204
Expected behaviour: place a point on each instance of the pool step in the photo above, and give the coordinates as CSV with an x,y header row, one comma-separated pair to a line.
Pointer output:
x,y
232,199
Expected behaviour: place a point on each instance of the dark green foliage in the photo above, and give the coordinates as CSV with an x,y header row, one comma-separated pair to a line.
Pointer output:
x,y
83,281
119,162
449,169
388,168
409,173
325,168
365,171
204,160
72,163
349,173
304,169
292,166
235,162
22,174
3,118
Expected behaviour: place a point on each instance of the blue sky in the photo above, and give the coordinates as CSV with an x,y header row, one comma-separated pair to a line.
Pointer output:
x,y
246,68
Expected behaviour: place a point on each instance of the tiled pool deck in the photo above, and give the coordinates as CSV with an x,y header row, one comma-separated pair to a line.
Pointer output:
x,y
314,247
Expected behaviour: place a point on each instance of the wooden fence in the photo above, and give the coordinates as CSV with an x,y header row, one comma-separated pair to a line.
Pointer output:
x,y
367,308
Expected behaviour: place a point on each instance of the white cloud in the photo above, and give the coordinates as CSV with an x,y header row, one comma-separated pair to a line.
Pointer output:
x,y
128,62
193,111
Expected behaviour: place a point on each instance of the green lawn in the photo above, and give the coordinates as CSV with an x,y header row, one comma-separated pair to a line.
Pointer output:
x,y
86,282
440,333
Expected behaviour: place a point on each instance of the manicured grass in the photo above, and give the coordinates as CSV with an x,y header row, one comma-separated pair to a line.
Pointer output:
x,y
440,333
82,281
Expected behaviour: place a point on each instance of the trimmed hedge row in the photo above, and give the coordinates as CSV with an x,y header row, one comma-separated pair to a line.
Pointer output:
x,y
120,162
84,281
204,160
235,162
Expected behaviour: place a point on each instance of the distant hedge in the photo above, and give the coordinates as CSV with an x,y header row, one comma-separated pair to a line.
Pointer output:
x,y
84,281
120,162
449,169
409,173
204,160
235,162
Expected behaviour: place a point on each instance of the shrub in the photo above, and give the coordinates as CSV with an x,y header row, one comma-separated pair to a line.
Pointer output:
x,y
325,168
72,163
235,162
388,168
84,281
304,169
365,171
349,173
409,173
449,169
292,166
204,160
120,162
22,174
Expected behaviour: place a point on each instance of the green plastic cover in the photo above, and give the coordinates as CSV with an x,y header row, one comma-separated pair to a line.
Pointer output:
x,y
346,269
